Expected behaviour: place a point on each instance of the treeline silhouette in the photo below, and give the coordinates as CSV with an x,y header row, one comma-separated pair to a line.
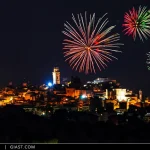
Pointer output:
x,y
18,126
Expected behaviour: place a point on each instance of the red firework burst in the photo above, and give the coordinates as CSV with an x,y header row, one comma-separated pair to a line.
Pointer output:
x,y
89,43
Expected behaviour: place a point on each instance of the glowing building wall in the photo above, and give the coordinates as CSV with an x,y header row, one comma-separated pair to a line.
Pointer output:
x,y
120,94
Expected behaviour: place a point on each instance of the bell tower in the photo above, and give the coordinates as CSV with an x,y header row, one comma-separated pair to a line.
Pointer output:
x,y
140,95
56,75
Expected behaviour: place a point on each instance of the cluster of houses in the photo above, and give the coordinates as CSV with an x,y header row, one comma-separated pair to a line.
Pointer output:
x,y
105,88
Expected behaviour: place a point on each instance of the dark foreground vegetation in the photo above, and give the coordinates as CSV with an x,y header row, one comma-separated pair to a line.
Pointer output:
x,y
18,126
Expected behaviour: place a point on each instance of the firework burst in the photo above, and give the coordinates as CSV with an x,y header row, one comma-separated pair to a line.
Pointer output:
x,y
148,60
89,44
137,22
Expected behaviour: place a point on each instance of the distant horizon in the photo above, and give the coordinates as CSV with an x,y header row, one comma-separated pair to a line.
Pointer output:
x,y
135,90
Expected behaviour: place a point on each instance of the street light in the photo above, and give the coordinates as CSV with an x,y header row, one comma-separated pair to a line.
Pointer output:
x,y
50,84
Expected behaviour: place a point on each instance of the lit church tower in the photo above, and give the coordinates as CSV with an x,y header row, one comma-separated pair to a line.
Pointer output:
x,y
140,95
56,75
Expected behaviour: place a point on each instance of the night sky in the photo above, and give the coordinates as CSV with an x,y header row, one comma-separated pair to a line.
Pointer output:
x,y
31,41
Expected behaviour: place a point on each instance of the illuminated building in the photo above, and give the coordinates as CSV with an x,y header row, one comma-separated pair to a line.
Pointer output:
x,y
6,100
110,94
120,94
56,75
77,93
30,96
140,95
100,80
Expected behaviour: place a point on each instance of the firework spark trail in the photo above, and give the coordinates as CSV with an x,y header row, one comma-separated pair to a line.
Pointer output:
x,y
137,22
89,44
148,61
